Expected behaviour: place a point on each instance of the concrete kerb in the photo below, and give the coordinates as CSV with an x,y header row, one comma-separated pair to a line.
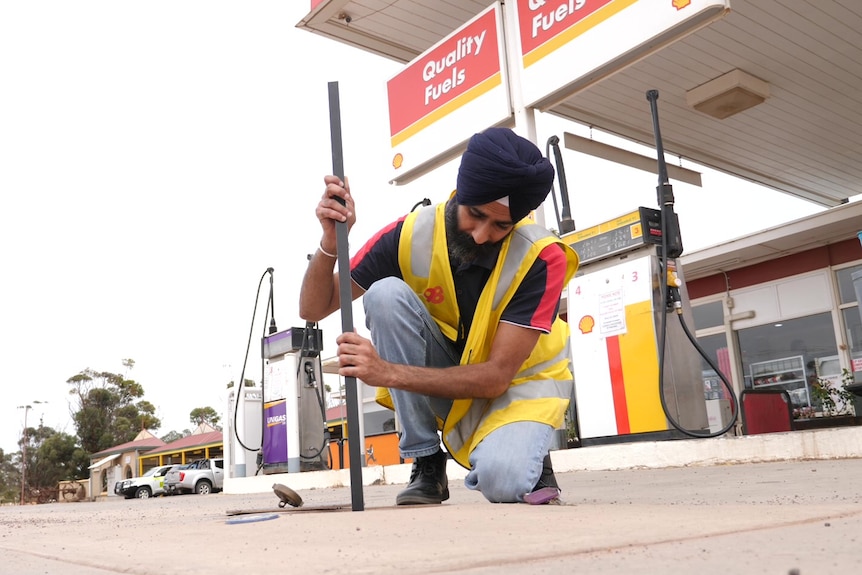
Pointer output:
x,y
834,443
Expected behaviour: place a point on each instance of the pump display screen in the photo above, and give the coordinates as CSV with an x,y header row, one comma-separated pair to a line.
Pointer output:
x,y
629,231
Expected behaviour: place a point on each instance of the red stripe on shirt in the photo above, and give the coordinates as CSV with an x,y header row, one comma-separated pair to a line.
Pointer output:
x,y
354,261
555,261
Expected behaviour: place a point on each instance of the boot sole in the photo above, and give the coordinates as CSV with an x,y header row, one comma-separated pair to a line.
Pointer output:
x,y
418,499
542,496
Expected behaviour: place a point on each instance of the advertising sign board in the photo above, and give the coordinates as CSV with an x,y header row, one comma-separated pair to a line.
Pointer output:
x,y
454,89
566,45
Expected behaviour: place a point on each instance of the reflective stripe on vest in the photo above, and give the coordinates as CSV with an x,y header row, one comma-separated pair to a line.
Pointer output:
x,y
535,389
421,241
538,368
520,241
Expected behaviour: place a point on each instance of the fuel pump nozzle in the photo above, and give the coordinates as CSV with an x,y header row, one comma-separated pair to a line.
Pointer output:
x,y
672,242
565,223
674,298
311,380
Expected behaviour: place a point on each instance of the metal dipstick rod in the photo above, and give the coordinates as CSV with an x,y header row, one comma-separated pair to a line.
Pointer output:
x,y
354,449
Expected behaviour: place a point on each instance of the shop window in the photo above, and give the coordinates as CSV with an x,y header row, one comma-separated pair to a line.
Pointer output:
x,y
853,337
851,313
786,355
708,315
715,347
846,291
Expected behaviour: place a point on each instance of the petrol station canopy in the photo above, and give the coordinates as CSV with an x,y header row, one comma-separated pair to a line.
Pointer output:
x,y
803,58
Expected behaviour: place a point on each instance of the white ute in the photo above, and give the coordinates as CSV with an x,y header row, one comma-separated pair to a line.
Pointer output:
x,y
147,485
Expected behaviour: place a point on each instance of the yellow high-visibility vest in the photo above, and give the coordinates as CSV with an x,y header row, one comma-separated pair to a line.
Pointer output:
x,y
543,385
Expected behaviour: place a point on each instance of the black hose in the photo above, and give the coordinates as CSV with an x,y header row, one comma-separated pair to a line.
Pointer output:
x,y
663,338
670,229
239,385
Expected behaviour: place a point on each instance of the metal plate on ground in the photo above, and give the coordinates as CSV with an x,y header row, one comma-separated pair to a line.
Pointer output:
x,y
324,508
252,518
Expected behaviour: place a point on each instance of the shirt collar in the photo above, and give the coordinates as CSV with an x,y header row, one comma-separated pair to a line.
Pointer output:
x,y
487,262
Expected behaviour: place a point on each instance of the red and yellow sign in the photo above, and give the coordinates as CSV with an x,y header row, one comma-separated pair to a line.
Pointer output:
x,y
444,78
551,24
567,45
450,92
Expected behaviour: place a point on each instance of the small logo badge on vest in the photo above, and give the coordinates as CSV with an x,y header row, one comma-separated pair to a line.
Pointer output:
x,y
434,295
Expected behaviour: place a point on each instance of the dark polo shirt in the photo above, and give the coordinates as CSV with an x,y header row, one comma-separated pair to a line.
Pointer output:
x,y
535,304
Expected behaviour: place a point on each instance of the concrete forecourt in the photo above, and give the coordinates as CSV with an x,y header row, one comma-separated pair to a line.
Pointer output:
x,y
800,514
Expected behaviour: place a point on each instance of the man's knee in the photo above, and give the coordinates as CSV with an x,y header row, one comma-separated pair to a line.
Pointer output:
x,y
502,479
383,294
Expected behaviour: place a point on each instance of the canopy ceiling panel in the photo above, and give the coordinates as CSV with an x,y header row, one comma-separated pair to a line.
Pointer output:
x,y
805,139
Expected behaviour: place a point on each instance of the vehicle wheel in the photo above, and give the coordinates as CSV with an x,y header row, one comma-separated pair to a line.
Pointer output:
x,y
203,488
143,492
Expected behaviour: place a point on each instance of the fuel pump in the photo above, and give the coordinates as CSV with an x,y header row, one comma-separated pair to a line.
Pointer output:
x,y
635,375
280,427
294,410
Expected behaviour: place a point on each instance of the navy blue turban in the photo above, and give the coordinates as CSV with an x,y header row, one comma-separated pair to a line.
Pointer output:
x,y
500,164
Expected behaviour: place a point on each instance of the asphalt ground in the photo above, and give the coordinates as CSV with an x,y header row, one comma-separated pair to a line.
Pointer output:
x,y
794,517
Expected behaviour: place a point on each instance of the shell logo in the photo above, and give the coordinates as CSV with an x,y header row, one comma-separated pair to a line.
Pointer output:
x,y
587,324
680,4
434,294
397,161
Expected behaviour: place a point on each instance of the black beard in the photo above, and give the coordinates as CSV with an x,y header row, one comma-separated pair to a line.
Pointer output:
x,y
462,248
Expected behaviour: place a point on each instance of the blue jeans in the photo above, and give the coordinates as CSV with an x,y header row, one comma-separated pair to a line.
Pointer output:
x,y
506,465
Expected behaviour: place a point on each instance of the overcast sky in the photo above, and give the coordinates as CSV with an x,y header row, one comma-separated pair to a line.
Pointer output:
x,y
157,157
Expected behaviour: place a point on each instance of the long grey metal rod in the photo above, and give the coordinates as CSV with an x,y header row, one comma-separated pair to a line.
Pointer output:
x,y
354,449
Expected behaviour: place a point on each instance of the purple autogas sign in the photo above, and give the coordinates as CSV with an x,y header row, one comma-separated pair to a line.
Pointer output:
x,y
275,432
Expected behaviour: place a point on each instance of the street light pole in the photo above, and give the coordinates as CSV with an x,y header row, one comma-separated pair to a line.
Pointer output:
x,y
26,409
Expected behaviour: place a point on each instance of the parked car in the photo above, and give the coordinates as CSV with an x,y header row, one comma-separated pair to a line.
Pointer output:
x,y
169,490
203,476
147,485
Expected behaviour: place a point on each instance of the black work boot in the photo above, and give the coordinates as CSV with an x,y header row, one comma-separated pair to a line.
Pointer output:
x,y
428,482
546,489
547,478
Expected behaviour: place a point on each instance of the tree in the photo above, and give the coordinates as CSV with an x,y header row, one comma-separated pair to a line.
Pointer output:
x,y
246,383
110,410
10,478
53,456
205,415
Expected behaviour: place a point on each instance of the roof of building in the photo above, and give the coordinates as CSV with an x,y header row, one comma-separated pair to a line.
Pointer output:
x,y
202,436
144,441
830,226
